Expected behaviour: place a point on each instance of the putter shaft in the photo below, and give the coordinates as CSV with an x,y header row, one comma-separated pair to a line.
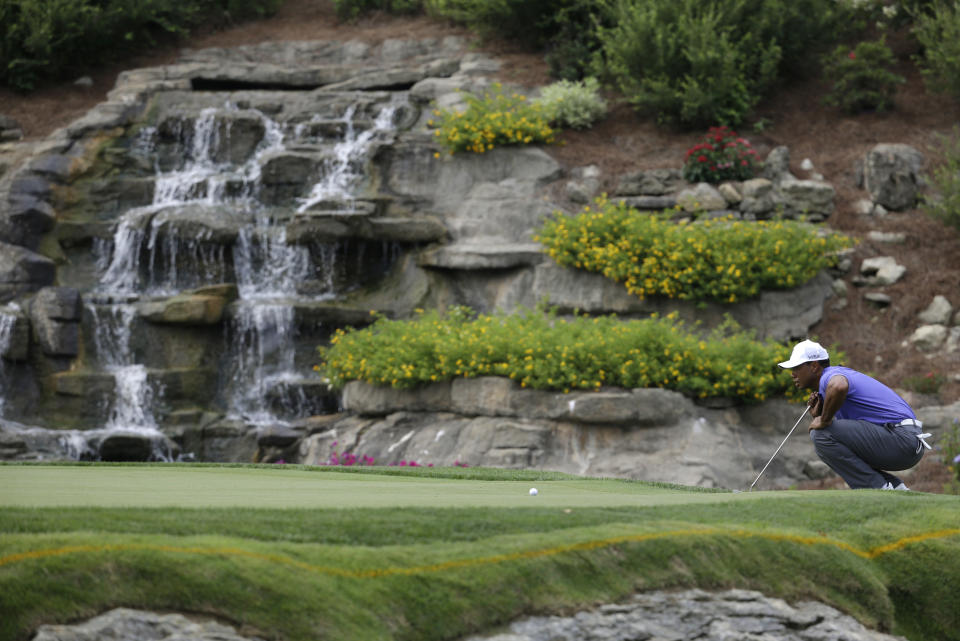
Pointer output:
x,y
806,409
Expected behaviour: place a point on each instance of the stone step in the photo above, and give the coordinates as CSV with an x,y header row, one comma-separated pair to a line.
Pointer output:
x,y
492,255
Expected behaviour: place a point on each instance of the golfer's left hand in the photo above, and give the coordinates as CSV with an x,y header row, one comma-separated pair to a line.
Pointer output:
x,y
818,424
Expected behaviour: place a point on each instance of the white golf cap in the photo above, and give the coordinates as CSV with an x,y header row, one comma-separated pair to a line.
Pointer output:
x,y
804,352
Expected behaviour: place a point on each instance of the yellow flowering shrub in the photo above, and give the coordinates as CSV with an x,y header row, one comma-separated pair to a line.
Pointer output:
x,y
491,121
542,351
722,260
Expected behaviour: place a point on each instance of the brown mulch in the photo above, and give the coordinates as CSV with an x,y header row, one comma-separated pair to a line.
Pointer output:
x,y
872,338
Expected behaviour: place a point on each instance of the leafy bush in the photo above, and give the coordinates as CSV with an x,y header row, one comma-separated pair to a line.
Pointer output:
x,y
950,446
721,155
491,121
47,39
542,351
862,80
352,9
566,29
944,205
532,22
938,32
929,383
697,63
575,38
572,104
717,260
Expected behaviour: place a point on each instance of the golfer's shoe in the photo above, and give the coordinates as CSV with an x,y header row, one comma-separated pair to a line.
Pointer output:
x,y
889,486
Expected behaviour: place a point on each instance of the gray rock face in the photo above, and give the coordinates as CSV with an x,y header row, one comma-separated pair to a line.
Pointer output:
x,y
891,174
702,197
55,316
780,315
123,624
809,198
22,271
653,182
776,167
734,615
646,434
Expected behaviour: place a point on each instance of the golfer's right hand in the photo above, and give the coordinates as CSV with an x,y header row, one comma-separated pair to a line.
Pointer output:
x,y
815,403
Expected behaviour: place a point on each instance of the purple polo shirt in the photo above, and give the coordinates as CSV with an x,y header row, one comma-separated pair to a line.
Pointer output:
x,y
867,398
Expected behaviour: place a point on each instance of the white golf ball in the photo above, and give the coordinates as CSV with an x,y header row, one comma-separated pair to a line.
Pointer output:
x,y
533,491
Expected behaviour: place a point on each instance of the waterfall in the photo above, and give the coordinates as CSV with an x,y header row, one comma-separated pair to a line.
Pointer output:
x,y
133,408
149,256
338,177
142,263
7,322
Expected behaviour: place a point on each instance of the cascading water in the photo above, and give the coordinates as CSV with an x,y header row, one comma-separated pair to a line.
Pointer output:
x,y
133,407
338,176
269,271
149,258
7,322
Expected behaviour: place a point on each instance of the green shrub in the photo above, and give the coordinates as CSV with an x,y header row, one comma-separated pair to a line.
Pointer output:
x,y
352,9
718,260
48,39
701,62
575,38
677,59
566,29
572,104
492,121
929,383
721,155
950,446
944,205
861,78
544,352
938,32
532,22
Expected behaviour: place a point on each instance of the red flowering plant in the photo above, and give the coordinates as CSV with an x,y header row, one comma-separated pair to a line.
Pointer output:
x,y
721,155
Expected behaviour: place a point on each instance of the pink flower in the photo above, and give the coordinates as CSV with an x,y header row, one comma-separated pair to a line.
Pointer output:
x,y
852,55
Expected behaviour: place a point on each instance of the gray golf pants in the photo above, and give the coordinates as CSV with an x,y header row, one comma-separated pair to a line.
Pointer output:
x,y
860,451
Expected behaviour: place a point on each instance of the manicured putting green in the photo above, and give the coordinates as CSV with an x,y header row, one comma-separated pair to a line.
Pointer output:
x,y
180,486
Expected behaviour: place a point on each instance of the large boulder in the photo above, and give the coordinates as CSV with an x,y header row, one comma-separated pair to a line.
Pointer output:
x,y
55,317
651,182
694,614
411,170
22,270
24,219
811,199
124,623
892,175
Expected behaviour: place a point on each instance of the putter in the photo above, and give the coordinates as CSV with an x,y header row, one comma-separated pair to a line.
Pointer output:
x,y
778,449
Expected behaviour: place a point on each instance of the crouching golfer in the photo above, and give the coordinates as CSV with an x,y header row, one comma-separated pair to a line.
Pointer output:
x,y
861,427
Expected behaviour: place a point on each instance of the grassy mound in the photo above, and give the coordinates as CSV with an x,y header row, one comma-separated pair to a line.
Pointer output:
x,y
304,553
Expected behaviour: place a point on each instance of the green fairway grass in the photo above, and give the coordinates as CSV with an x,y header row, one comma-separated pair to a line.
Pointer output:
x,y
294,552
201,486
